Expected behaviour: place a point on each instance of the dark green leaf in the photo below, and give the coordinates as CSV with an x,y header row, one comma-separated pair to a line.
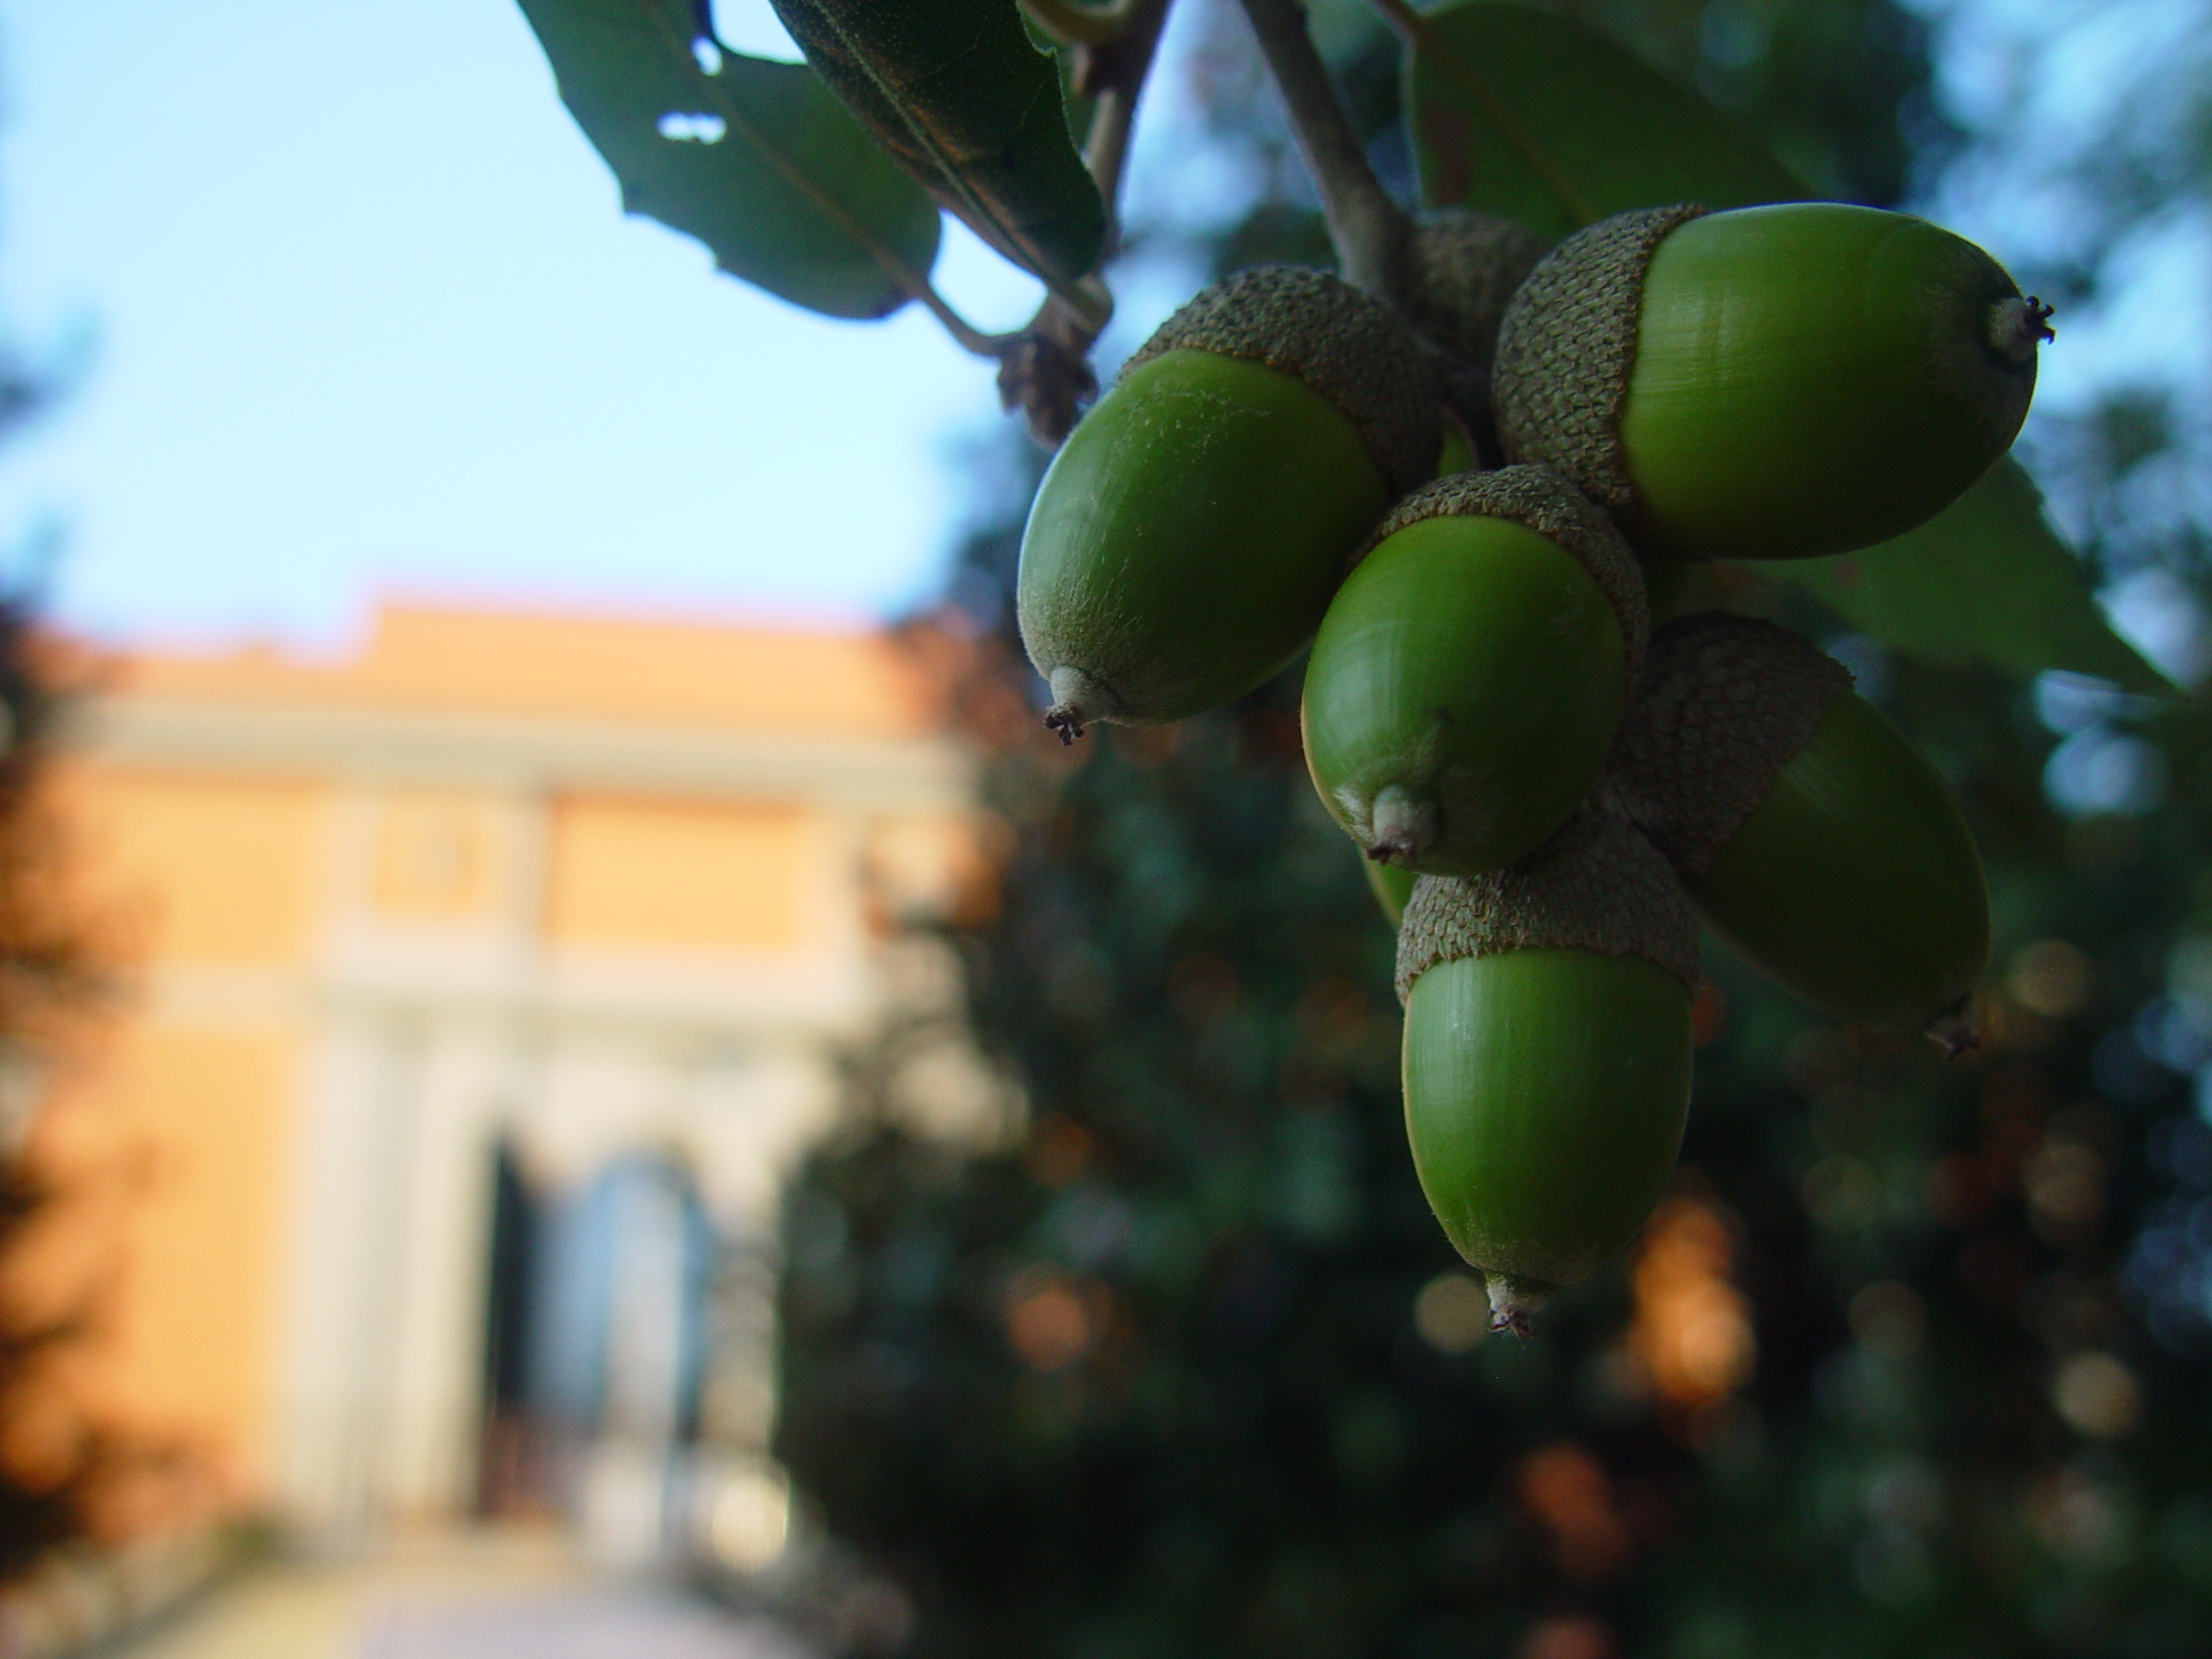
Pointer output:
x,y
758,160
1524,114
956,92
1987,580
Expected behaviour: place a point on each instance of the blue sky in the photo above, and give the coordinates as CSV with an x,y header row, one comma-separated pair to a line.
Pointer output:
x,y
364,316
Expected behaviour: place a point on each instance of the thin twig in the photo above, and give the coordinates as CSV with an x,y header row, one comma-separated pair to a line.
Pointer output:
x,y
1115,75
1072,23
1106,146
1369,230
1044,369
965,333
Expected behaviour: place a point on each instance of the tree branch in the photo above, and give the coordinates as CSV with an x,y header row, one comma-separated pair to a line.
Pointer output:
x,y
1113,75
1369,230
964,333
1044,370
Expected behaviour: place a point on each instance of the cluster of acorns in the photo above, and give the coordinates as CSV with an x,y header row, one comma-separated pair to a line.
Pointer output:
x,y
1487,707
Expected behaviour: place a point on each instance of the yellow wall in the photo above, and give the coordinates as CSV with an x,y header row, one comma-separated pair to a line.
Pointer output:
x,y
670,675
169,1164
685,876
221,869
168,1149
436,855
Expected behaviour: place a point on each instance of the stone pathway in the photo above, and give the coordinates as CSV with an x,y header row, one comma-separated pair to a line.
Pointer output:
x,y
464,1596
607,1625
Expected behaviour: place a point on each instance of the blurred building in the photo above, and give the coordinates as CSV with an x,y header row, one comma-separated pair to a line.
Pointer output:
x,y
487,981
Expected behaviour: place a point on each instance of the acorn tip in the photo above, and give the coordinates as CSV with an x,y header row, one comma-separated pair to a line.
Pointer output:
x,y
1952,1031
2017,326
1401,826
1513,1303
1077,699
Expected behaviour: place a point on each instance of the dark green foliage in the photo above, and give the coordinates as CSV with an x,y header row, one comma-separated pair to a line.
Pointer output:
x,y
1829,87
1217,1188
1986,579
1519,112
956,91
1257,1453
1151,1383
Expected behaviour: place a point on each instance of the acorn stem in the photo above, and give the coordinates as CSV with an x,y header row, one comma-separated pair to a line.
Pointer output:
x,y
1514,1302
1077,700
2017,326
1044,369
1403,825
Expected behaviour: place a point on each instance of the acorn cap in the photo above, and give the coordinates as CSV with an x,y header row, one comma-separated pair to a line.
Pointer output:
x,y
1595,886
1464,268
1539,499
1726,703
1576,315
1347,346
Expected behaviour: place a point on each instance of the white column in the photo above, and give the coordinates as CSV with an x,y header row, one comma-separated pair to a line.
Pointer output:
x,y
440,1271
340,1306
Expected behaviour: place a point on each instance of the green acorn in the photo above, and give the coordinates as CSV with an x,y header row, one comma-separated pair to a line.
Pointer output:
x,y
1767,382
1189,534
1810,833
1465,686
1547,1056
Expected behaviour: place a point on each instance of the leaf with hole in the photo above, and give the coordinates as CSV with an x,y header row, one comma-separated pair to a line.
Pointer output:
x,y
956,92
754,158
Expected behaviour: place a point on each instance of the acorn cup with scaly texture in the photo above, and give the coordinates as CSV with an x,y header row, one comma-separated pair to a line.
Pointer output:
x,y
1773,382
1808,831
1546,1054
1189,534
1463,268
1465,686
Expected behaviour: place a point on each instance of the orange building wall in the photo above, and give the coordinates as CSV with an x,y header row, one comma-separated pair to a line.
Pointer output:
x,y
647,673
221,869
629,872
436,855
167,1148
168,1163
